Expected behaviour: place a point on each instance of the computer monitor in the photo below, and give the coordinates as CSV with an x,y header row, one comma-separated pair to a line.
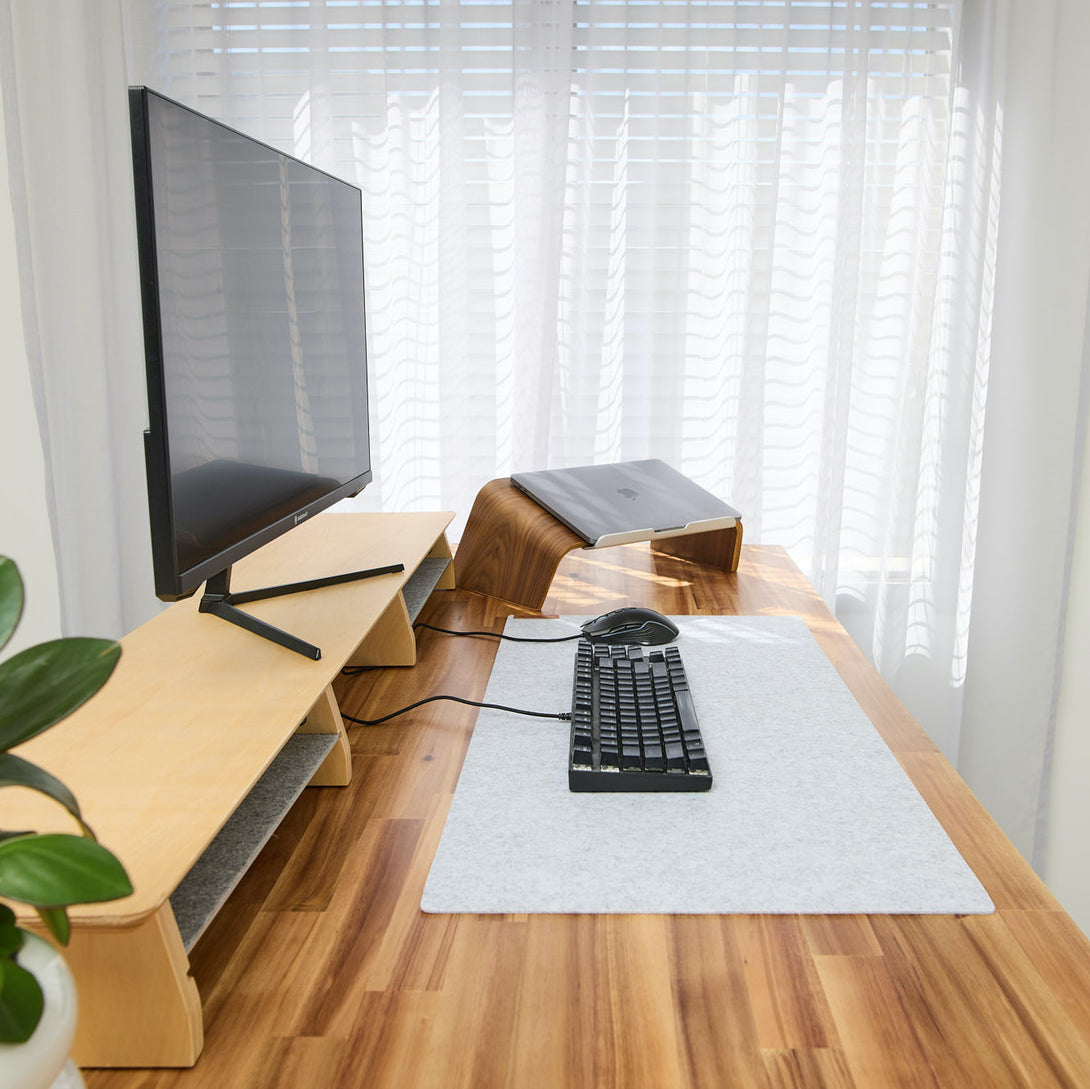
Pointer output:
x,y
251,269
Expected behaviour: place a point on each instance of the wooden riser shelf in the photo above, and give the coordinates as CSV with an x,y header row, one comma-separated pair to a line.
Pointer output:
x,y
186,762
222,866
208,884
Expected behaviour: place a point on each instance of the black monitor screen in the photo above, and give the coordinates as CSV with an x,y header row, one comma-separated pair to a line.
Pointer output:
x,y
252,277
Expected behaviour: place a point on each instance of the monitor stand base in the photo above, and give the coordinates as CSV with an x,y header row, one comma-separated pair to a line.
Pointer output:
x,y
219,601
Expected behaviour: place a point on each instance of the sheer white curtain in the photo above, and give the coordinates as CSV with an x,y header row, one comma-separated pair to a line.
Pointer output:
x,y
70,170
1033,449
758,240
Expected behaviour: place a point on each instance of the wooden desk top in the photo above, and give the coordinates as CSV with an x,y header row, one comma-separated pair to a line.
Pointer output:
x,y
322,971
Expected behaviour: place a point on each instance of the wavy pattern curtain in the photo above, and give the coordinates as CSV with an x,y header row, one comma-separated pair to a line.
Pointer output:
x,y
753,239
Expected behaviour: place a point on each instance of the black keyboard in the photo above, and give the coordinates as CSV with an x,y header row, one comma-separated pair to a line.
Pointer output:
x,y
633,725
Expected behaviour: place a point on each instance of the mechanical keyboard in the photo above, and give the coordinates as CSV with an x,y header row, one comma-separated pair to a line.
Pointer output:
x,y
633,724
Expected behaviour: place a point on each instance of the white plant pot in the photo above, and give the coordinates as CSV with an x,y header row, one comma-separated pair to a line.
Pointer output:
x,y
42,1062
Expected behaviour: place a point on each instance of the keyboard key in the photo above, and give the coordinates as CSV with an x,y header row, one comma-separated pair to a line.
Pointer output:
x,y
675,754
652,758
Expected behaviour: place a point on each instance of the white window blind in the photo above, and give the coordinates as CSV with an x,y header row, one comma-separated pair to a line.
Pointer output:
x,y
725,166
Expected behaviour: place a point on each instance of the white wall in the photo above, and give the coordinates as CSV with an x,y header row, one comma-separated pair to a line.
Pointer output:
x,y
1067,859
25,533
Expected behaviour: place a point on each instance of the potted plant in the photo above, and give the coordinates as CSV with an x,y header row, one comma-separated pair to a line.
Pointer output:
x,y
47,870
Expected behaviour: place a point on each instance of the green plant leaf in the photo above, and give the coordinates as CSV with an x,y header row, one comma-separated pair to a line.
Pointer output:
x,y
54,870
15,771
11,598
7,916
11,939
41,685
21,1002
56,922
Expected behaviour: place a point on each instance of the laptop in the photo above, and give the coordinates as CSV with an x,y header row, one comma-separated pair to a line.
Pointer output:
x,y
626,501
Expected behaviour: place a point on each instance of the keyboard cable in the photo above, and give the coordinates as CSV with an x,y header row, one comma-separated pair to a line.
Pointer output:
x,y
355,671
562,716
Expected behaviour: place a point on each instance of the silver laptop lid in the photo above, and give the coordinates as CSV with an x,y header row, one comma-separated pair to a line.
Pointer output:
x,y
626,501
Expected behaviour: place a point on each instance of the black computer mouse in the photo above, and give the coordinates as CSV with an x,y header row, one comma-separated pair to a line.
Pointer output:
x,y
633,625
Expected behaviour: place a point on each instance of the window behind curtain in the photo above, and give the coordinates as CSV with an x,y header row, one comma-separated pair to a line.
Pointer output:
x,y
747,250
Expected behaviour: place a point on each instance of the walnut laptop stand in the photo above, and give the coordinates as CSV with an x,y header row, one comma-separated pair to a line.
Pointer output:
x,y
512,547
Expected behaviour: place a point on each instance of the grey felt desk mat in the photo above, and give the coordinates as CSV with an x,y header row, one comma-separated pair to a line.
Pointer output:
x,y
809,812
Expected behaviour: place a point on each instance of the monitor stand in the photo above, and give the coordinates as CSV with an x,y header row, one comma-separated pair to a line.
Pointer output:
x,y
219,601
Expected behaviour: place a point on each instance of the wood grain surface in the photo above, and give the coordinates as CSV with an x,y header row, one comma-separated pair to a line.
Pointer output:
x,y
511,547
321,969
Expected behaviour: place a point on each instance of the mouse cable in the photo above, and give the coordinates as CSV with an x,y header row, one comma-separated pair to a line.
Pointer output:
x,y
355,671
563,716
498,635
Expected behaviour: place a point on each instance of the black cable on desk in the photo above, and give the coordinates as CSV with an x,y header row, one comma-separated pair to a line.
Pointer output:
x,y
563,716
497,635
355,671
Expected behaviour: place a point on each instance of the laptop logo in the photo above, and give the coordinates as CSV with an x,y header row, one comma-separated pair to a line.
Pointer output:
x,y
628,493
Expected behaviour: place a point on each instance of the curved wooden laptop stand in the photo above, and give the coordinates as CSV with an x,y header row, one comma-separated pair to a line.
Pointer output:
x,y
511,547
